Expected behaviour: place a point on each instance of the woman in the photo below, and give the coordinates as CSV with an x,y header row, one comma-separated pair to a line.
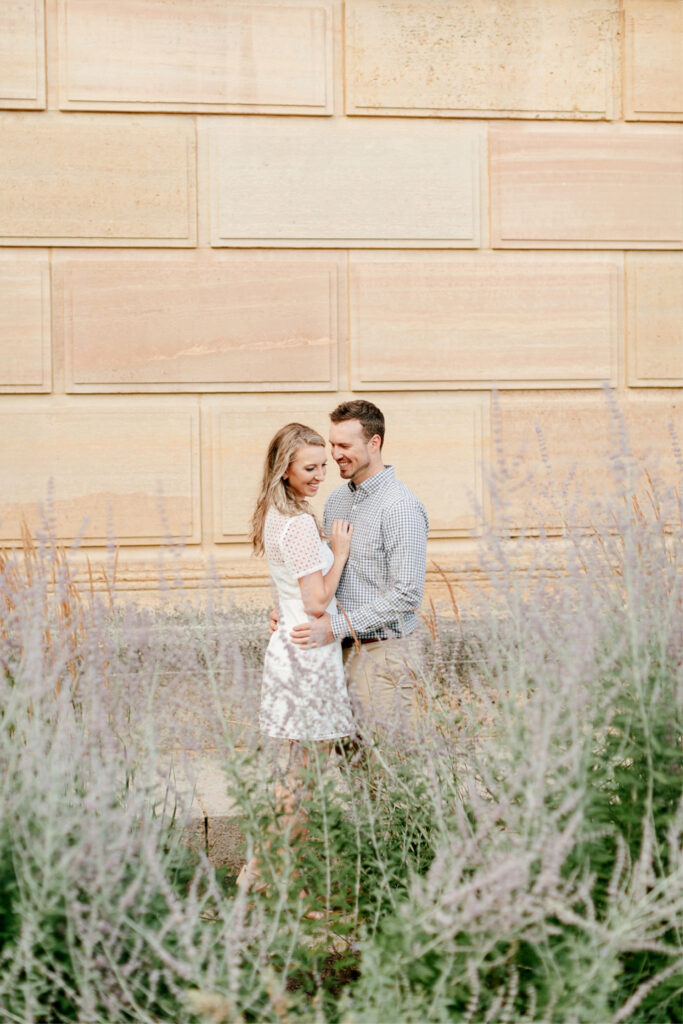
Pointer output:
x,y
304,697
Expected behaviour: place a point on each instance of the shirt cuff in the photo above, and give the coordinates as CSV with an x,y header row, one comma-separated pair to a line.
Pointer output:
x,y
339,626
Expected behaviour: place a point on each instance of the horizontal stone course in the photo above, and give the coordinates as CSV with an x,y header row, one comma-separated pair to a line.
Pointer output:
x,y
196,55
560,448
585,187
25,349
208,322
655,319
84,179
22,55
475,320
332,183
101,468
654,60
481,58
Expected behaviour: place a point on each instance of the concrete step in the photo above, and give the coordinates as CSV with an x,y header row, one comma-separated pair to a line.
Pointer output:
x,y
198,780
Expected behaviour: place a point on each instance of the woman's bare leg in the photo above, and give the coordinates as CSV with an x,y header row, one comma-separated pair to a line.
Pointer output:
x,y
291,795
295,793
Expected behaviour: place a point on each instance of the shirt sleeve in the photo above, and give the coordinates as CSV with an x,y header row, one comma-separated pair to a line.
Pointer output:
x,y
301,547
404,531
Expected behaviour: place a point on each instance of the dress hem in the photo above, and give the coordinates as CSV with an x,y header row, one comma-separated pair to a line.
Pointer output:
x,y
308,739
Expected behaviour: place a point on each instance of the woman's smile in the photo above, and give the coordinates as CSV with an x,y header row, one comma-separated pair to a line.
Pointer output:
x,y
307,470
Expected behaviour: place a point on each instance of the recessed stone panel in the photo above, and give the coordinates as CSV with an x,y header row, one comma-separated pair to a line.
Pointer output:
x,y
559,453
314,182
597,186
216,322
84,179
481,58
22,55
104,466
654,60
655,320
446,476
24,322
204,55
438,444
446,321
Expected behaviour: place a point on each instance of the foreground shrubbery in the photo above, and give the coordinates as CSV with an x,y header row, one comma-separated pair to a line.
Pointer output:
x,y
524,861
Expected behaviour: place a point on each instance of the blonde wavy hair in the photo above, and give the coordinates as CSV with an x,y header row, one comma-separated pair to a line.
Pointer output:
x,y
274,490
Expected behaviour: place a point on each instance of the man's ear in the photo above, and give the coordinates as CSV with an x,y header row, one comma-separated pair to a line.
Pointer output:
x,y
376,442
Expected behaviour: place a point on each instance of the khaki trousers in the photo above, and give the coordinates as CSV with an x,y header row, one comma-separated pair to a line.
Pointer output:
x,y
381,681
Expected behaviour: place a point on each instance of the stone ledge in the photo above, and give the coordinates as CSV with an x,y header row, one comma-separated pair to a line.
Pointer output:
x,y
212,819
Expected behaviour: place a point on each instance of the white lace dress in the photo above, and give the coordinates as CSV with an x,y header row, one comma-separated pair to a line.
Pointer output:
x,y
303,694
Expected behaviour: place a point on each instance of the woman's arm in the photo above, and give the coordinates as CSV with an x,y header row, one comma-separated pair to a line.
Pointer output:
x,y
317,590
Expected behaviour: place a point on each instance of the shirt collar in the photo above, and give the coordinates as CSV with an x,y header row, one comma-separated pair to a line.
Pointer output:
x,y
374,482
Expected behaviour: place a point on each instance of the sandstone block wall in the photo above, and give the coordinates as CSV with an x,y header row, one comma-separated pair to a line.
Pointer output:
x,y
216,217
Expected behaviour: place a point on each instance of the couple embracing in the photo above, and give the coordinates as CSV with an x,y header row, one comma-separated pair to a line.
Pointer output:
x,y
338,664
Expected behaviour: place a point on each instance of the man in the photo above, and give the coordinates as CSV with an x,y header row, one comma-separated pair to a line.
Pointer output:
x,y
382,584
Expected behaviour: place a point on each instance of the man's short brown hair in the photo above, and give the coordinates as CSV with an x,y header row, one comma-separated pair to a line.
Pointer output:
x,y
370,417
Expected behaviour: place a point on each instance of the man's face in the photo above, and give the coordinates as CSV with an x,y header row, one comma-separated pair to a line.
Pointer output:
x,y
354,455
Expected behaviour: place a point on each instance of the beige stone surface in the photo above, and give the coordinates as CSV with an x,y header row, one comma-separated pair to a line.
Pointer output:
x,y
22,55
594,186
555,442
200,780
197,782
97,179
436,442
209,322
482,58
205,55
220,837
654,60
433,320
655,319
314,182
25,353
110,461
229,576
328,253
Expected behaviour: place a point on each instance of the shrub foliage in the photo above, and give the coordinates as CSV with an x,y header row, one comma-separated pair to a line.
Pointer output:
x,y
520,860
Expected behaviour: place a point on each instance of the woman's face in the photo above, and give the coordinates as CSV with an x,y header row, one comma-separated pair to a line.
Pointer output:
x,y
306,471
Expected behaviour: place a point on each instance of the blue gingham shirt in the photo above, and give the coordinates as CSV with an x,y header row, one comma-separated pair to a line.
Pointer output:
x,y
382,584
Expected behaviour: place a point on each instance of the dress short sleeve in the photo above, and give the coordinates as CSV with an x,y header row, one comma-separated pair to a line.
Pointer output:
x,y
301,547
